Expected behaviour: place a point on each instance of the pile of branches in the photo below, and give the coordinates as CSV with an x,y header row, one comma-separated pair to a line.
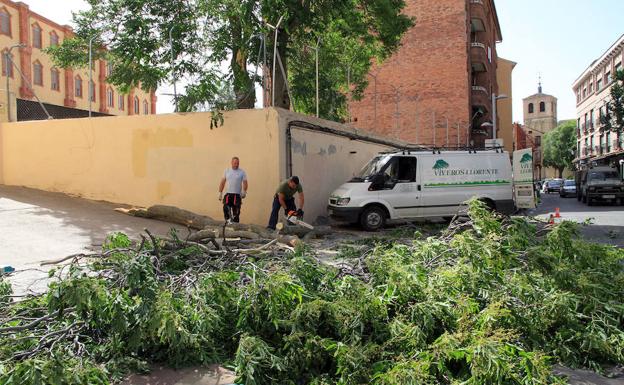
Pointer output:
x,y
492,300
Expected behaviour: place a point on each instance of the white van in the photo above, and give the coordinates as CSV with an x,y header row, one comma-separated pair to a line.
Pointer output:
x,y
424,183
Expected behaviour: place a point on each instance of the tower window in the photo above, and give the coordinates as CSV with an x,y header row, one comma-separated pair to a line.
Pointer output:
x,y
530,108
542,107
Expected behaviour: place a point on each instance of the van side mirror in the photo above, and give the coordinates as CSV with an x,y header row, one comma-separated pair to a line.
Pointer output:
x,y
377,182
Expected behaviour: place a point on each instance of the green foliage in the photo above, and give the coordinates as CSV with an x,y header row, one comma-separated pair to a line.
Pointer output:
x,y
150,43
494,304
559,146
613,118
5,291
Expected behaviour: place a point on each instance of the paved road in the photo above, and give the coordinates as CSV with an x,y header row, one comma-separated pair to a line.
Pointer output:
x,y
607,221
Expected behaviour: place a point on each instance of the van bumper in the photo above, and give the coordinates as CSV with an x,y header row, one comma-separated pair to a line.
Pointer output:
x,y
506,207
344,214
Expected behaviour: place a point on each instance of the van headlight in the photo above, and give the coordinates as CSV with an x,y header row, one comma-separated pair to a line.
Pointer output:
x,y
343,201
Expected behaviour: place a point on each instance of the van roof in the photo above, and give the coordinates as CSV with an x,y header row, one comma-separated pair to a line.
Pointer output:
x,y
434,151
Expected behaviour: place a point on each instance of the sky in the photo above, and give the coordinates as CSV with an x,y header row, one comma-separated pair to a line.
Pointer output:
x,y
558,39
555,38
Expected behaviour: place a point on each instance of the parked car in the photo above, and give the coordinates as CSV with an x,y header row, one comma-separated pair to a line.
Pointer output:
x,y
554,185
568,188
419,184
601,183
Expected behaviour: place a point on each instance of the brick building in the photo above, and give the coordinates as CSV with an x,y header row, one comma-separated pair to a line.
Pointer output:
x,y
439,86
540,117
65,93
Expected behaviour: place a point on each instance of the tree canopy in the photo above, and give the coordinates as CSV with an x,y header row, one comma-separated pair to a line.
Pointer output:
x,y
559,145
613,119
217,46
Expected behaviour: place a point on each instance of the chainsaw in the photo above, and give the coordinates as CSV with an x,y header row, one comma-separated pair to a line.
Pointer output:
x,y
296,218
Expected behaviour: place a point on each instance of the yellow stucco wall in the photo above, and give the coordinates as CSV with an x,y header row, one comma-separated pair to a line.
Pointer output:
x,y
172,159
504,106
176,159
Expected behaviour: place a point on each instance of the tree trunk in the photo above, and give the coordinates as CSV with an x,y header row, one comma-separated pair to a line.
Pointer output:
x,y
560,171
243,85
282,98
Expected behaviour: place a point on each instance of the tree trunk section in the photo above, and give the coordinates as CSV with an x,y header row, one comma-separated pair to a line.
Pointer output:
x,y
243,85
282,98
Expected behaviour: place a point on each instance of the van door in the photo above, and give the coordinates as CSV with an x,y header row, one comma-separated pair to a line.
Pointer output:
x,y
400,190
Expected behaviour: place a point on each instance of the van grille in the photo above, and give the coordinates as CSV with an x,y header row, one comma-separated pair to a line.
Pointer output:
x,y
332,201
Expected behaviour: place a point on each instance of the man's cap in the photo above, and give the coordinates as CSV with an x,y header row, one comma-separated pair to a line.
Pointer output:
x,y
295,179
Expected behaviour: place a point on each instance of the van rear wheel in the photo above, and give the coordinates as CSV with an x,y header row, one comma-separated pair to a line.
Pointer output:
x,y
372,218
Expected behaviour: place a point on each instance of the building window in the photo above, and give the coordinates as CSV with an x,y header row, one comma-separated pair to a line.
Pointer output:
x,y
591,87
110,97
78,86
145,108
38,73
530,108
137,107
578,96
542,107
7,64
120,102
92,91
109,69
584,93
608,77
5,22
598,84
55,79
618,66
54,39
36,35
538,141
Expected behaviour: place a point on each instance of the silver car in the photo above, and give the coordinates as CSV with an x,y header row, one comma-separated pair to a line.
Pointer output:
x,y
568,188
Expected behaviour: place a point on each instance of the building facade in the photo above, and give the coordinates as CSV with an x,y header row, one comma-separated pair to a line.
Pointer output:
x,y
439,87
540,117
65,93
592,89
504,109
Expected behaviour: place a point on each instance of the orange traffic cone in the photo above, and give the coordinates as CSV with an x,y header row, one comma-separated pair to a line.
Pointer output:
x,y
557,215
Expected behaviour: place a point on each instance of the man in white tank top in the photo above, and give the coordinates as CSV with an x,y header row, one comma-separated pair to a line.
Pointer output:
x,y
236,179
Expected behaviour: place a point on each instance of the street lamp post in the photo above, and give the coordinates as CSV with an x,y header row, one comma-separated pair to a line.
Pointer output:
x,y
9,68
173,77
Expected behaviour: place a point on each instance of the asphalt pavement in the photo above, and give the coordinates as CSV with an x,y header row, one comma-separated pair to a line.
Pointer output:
x,y
604,222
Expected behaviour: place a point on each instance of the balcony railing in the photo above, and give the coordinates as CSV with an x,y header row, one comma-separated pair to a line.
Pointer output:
x,y
584,127
476,44
591,126
480,89
586,151
617,145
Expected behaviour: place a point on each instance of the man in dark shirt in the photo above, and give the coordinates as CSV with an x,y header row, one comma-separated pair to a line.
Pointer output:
x,y
284,197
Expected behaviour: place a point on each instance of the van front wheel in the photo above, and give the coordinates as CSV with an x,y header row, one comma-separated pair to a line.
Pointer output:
x,y
372,218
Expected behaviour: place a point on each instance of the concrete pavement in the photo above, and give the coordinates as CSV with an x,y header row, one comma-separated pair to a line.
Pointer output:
x,y
37,226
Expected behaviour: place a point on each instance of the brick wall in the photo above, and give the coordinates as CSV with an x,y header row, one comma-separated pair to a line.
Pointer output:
x,y
427,83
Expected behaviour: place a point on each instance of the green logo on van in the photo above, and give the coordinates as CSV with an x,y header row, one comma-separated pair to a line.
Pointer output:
x,y
440,164
526,158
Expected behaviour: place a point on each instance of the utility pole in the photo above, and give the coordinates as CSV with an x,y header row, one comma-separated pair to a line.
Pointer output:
x,y
91,91
276,28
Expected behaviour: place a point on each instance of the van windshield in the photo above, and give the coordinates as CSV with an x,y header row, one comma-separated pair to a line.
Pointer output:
x,y
603,175
373,167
